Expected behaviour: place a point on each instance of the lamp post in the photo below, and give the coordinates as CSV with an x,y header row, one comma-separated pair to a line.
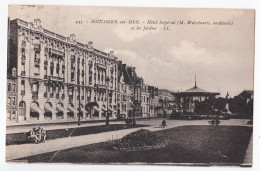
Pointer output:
x,y
107,86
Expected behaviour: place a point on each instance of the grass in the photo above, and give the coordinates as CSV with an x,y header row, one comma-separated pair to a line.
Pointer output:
x,y
21,138
187,144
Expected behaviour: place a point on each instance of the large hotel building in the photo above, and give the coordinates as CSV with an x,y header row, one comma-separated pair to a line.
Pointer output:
x,y
56,77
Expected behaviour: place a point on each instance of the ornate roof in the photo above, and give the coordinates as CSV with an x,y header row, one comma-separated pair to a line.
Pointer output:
x,y
196,91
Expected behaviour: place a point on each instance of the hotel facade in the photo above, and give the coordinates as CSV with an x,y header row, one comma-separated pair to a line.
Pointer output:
x,y
57,77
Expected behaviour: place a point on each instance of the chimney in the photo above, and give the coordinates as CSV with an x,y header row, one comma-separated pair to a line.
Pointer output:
x,y
90,45
111,53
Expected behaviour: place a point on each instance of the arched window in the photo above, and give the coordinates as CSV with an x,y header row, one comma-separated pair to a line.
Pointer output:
x,y
14,72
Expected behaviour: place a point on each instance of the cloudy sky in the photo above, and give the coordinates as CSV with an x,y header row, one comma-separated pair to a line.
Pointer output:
x,y
222,57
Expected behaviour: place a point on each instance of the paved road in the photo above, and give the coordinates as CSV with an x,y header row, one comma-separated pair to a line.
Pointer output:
x,y
25,150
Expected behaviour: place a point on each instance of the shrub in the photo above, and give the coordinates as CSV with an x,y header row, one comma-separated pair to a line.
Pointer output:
x,y
140,140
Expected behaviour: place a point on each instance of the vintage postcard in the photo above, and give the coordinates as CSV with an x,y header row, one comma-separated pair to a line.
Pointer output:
x,y
128,85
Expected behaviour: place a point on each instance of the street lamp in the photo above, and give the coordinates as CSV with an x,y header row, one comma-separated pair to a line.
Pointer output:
x,y
107,86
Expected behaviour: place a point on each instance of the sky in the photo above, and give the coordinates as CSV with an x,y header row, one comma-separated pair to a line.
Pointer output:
x,y
222,57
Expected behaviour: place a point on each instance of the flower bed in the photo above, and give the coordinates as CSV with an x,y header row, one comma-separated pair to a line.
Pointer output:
x,y
140,140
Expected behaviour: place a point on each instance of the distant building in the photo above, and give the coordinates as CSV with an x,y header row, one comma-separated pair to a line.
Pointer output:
x,y
242,104
145,101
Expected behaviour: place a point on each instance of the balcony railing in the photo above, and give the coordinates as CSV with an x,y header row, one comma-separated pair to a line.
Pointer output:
x,y
72,58
23,57
35,95
22,72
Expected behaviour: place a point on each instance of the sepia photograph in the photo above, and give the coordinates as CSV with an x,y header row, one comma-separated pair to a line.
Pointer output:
x,y
130,86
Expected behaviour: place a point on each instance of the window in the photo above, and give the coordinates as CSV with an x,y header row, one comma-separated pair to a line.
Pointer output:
x,y
35,87
72,76
9,100
22,83
14,87
14,72
9,87
51,69
13,100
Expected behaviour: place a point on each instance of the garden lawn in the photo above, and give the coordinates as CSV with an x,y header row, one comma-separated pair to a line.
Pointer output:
x,y
186,144
21,138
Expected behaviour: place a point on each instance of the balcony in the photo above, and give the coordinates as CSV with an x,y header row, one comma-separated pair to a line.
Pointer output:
x,y
23,73
37,60
63,96
23,43
52,65
22,92
102,66
72,58
51,95
23,57
56,52
37,48
35,95
45,94
57,96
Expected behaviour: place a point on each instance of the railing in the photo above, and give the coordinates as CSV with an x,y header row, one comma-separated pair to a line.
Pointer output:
x,y
23,43
72,58
22,72
35,95
23,57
